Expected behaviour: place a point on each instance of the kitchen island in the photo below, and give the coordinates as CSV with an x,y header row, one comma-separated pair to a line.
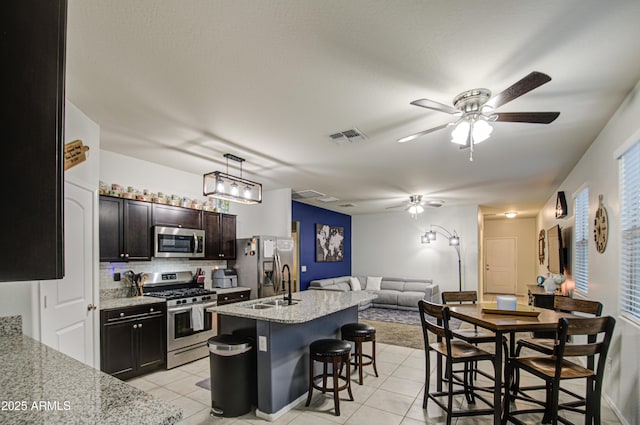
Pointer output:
x,y
282,335
40,385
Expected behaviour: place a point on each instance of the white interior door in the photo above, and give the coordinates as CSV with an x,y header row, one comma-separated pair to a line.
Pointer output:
x,y
66,304
500,265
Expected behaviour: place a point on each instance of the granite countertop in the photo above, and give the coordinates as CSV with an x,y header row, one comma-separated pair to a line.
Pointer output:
x,y
40,385
311,305
109,303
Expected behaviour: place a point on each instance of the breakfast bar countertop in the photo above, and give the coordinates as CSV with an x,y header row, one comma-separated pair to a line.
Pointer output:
x,y
310,305
41,385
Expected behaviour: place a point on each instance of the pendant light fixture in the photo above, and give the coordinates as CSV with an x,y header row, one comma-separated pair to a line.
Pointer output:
x,y
228,187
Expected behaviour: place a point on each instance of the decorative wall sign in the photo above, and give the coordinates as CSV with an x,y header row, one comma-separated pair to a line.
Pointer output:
x,y
74,153
541,237
329,243
601,226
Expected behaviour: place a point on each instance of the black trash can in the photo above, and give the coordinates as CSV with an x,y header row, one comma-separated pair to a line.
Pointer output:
x,y
232,364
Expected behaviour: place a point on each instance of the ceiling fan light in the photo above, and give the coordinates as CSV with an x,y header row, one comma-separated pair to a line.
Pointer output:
x,y
481,131
419,209
460,133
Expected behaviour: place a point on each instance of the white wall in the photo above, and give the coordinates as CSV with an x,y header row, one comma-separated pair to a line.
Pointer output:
x,y
272,217
598,169
389,245
21,298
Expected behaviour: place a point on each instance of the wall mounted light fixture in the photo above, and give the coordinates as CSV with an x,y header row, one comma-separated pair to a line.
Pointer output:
x,y
231,188
561,205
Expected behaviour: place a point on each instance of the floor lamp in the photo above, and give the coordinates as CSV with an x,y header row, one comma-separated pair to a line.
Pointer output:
x,y
454,241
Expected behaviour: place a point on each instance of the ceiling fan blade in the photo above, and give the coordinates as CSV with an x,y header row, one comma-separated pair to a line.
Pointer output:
x,y
436,106
422,133
525,85
530,117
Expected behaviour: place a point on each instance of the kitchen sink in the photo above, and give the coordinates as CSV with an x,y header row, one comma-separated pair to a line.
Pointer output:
x,y
259,306
281,302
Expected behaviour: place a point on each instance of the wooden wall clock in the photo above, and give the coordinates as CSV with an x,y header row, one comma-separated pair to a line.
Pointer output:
x,y
601,227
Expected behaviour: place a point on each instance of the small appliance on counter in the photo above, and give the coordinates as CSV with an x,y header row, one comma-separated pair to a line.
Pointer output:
x,y
225,278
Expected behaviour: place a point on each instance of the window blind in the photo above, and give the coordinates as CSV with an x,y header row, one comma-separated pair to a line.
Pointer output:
x,y
630,224
581,268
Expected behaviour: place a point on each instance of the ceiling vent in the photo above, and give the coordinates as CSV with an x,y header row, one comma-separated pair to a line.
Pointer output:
x,y
348,136
306,194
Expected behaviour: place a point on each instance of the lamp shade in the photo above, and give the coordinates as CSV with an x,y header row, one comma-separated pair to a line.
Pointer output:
x,y
481,130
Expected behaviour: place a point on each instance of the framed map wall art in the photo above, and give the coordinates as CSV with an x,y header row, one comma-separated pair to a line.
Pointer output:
x,y
329,243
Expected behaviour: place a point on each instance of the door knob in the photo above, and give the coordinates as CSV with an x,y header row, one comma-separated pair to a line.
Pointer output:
x,y
91,307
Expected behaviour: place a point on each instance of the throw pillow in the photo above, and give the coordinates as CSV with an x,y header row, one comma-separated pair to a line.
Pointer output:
x,y
373,283
355,284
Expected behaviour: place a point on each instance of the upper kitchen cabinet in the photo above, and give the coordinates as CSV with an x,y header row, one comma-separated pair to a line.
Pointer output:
x,y
33,40
166,215
220,236
125,229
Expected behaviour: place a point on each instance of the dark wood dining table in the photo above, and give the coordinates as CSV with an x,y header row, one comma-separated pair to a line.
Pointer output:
x,y
501,324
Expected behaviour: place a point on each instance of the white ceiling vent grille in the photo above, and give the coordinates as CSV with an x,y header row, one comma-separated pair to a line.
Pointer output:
x,y
306,194
348,136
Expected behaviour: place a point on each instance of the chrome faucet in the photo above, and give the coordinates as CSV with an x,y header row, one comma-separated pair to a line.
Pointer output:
x,y
289,297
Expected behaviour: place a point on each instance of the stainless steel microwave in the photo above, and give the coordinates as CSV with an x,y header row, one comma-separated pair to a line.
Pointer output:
x,y
178,242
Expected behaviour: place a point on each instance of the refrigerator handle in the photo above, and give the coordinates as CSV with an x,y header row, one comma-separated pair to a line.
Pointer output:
x,y
277,273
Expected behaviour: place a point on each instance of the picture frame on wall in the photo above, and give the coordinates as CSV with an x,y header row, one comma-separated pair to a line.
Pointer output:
x,y
329,243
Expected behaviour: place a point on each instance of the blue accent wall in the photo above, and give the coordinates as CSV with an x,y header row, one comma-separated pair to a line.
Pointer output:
x,y
309,216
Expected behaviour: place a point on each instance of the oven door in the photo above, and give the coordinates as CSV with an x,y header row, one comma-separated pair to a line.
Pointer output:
x,y
180,331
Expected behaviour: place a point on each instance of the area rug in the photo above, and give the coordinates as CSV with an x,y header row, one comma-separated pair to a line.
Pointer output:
x,y
406,317
397,334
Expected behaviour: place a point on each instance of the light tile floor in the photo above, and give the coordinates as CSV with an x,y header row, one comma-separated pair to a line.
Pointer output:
x,y
393,398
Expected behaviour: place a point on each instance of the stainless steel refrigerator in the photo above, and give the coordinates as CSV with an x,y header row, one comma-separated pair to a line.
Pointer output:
x,y
259,262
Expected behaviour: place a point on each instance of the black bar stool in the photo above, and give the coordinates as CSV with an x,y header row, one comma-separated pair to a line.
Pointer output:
x,y
332,351
359,333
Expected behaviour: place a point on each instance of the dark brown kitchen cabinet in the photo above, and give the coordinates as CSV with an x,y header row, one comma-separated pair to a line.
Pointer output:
x,y
125,229
167,215
233,297
220,236
32,45
133,340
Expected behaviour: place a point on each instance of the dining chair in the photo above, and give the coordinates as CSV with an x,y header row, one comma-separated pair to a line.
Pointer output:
x,y
455,351
555,368
472,335
546,345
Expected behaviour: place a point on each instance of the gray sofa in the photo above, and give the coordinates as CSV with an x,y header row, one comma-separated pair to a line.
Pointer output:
x,y
398,293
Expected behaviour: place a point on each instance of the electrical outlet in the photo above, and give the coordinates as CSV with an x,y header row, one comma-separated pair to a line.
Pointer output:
x,y
303,269
262,343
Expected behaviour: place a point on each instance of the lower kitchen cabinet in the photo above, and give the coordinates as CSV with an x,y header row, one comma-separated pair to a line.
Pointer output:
x,y
233,297
133,340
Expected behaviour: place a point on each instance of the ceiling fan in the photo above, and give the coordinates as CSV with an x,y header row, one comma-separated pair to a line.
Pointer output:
x,y
416,205
475,108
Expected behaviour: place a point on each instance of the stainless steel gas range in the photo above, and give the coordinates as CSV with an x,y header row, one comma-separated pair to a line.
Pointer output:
x,y
189,324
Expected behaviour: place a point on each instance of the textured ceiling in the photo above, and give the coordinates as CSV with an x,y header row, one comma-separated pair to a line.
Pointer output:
x,y
180,83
